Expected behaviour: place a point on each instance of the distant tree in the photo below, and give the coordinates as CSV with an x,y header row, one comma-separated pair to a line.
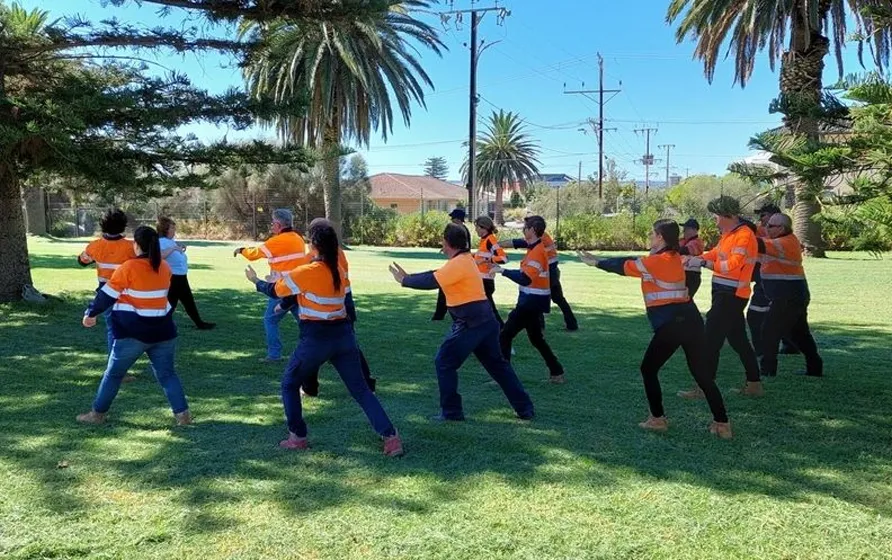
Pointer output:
x,y
436,167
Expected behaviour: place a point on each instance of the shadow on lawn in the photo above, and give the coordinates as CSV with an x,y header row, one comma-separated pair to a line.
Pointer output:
x,y
807,436
66,261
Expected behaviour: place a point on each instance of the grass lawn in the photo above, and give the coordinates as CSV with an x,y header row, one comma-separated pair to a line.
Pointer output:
x,y
808,475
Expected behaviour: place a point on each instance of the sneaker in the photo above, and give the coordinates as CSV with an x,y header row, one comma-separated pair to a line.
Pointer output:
x,y
294,442
91,417
722,430
183,418
206,326
440,418
694,394
751,389
393,446
527,416
557,379
655,424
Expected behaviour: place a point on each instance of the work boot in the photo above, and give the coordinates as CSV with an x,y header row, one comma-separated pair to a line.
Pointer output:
x,y
655,424
91,417
694,394
557,379
722,430
183,418
294,442
393,446
751,389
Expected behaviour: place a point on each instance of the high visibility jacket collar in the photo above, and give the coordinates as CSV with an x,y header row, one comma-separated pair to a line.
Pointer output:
x,y
112,237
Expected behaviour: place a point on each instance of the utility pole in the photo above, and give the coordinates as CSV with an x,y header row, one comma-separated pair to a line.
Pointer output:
x,y
648,158
476,49
668,147
600,124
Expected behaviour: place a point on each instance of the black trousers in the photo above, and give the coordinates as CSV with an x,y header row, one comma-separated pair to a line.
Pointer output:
x,y
524,319
687,334
557,297
692,282
725,321
181,291
440,311
489,286
789,319
310,383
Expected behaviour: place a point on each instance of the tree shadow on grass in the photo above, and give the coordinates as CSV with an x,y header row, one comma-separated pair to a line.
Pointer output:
x,y
808,437
66,262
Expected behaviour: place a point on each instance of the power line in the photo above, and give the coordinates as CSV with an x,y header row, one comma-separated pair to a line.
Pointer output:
x,y
648,158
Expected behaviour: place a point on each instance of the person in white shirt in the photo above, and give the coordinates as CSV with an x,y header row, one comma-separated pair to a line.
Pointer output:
x,y
175,255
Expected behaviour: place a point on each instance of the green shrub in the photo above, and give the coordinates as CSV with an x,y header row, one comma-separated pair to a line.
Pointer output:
x,y
375,227
417,230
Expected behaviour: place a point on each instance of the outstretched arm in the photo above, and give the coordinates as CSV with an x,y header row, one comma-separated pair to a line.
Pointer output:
x,y
420,281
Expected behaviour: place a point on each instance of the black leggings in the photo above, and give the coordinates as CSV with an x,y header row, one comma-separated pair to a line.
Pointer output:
x,y
557,297
789,318
489,286
725,321
692,281
181,291
687,333
529,320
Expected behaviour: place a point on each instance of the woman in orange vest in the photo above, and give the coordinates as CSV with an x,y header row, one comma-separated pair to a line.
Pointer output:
x,y
108,253
489,253
141,323
675,320
326,334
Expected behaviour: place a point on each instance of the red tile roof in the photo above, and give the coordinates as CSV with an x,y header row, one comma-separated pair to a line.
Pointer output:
x,y
396,186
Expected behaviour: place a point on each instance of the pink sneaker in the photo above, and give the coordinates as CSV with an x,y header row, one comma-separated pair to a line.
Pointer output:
x,y
294,442
393,446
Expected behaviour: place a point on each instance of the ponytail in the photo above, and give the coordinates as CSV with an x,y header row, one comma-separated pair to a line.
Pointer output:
x,y
325,239
670,232
147,239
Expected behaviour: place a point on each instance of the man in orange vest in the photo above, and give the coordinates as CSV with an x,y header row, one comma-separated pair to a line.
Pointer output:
x,y
691,246
554,275
284,252
534,298
732,263
787,291
474,330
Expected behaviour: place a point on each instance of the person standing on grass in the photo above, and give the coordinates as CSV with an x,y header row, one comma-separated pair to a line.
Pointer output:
x,y
732,263
489,253
474,328
786,288
175,255
554,274
141,323
458,217
108,253
284,251
310,385
318,292
691,246
533,300
675,320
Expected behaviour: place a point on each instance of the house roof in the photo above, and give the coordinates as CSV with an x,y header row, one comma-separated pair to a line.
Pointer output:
x,y
395,185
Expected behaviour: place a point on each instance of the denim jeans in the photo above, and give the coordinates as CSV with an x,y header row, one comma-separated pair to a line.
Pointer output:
x,y
125,351
271,321
109,337
320,342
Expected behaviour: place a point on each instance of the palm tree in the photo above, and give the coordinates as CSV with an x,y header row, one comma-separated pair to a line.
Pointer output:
x,y
792,31
505,156
350,73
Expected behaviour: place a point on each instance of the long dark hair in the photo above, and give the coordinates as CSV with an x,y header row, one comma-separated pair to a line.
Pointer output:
x,y
147,239
669,231
325,239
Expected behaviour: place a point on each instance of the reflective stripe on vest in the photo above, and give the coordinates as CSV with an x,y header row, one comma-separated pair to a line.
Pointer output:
x,y
142,312
107,266
730,282
783,276
307,313
283,258
759,308
534,264
647,276
535,291
657,296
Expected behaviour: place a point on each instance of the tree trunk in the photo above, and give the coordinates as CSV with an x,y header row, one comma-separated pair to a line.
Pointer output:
x,y
500,203
15,270
35,211
802,68
331,173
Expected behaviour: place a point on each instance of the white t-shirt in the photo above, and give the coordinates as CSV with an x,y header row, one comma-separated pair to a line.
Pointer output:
x,y
179,265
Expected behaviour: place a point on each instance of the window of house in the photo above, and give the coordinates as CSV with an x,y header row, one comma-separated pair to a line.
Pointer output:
x,y
394,206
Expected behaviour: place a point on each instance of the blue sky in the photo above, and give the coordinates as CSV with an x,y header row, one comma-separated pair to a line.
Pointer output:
x,y
543,46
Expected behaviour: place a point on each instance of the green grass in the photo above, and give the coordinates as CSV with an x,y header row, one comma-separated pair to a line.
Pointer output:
x,y
808,475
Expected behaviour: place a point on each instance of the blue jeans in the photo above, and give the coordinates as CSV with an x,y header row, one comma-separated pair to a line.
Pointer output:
x,y
109,337
329,341
125,351
271,321
483,342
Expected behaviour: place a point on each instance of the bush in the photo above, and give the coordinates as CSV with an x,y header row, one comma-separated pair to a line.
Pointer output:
x,y
417,230
622,232
376,227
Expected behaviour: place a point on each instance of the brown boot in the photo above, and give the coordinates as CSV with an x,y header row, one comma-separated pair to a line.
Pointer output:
x,y
751,389
183,418
694,394
722,430
91,417
654,424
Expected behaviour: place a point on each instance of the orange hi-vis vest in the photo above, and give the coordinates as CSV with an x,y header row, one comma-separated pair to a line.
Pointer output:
x,y
662,278
342,264
550,249
284,252
108,254
782,259
488,253
734,258
460,280
535,266
140,290
317,298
